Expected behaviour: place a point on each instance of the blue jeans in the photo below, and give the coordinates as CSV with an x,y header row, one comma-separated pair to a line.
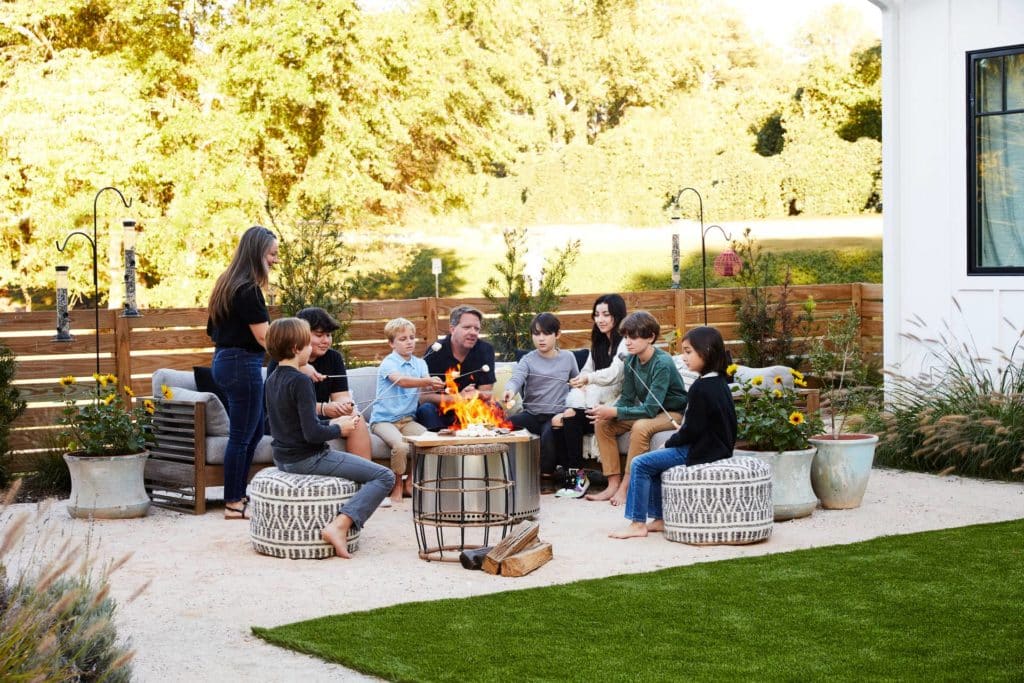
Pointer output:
x,y
376,481
238,373
643,499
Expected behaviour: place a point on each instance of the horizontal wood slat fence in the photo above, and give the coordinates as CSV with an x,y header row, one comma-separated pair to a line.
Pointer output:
x,y
176,338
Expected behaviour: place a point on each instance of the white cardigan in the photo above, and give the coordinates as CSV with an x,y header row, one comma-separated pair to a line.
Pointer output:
x,y
603,386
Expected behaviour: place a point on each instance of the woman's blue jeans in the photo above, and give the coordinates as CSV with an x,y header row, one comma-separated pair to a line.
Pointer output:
x,y
643,499
239,373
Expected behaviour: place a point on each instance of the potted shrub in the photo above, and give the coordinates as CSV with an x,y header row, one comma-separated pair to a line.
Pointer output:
x,y
105,438
773,429
843,462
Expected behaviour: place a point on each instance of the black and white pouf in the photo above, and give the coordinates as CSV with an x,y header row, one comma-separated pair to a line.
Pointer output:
x,y
728,502
289,510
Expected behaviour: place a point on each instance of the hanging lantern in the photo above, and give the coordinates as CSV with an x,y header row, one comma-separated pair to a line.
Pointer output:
x,y
727,264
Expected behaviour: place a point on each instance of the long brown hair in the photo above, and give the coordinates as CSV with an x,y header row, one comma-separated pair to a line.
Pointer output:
x,y
247,267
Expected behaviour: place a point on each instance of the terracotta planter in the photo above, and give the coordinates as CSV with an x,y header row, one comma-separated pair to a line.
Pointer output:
x,y
107,486
792,495
841,469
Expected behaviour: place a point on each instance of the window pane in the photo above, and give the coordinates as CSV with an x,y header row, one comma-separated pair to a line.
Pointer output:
x,y
1000,164
990,85
1015,81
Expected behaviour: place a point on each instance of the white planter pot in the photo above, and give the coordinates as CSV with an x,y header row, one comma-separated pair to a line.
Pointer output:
x,y
792,495
841,469
107,486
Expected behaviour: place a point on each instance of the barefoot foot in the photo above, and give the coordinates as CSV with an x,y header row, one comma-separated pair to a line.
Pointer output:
x,y
603,495
336,533
634,530
656,526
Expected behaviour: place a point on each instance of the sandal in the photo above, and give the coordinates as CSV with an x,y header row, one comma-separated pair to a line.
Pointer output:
x,y
236,513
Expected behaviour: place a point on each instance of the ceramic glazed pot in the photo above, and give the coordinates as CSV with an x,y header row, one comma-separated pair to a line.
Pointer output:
x,y
107,486
839,474
792,495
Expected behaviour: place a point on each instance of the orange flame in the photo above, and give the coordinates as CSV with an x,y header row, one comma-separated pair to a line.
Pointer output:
x,y
473,410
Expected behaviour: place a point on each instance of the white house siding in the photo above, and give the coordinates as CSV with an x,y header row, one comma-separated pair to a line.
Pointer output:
x,y
924,48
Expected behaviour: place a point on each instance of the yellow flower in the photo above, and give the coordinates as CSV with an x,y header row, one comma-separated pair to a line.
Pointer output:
x,y
166,392
796,373
149,406
757,381
777,393
799,382
777,379
796,418
102,379
109,398
731,370
67,381
112,379
128,390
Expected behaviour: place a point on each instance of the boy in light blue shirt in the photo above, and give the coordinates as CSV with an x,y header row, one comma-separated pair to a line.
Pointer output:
x,y
400,378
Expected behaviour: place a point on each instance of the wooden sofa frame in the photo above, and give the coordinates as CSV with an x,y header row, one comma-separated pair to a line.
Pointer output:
x,y
177,474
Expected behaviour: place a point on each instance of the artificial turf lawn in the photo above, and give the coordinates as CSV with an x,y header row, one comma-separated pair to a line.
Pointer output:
x,y
939,605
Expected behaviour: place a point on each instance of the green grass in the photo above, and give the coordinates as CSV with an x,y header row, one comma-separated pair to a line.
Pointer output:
x,y
941,605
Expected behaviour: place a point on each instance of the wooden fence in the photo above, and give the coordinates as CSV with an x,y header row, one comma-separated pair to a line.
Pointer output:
x,y
176,338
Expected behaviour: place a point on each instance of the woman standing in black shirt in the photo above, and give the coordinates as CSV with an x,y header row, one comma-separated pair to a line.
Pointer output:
x,y
238,325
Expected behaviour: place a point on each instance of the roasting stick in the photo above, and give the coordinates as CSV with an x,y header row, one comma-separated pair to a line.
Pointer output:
x,y
436,346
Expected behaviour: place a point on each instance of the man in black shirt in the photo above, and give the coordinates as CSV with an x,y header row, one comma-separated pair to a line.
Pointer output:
x,y
464,349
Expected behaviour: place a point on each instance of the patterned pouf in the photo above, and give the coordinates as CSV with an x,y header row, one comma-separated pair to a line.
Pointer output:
x,y
289,510
728,502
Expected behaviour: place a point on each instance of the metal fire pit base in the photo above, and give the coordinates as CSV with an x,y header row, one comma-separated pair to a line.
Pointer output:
x,y
462,496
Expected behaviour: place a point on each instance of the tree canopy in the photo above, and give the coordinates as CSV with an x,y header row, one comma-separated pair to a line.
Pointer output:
x,y
509,112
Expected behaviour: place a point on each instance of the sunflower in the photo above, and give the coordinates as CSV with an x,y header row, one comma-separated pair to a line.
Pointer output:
x,y
109,398
67,380
796,373
777,379
799,382
731,370
128,390
101,379
796,418
149,406
757,381
777,393
166,392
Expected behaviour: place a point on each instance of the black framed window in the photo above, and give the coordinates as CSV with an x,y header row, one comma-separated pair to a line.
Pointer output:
x,y
995,161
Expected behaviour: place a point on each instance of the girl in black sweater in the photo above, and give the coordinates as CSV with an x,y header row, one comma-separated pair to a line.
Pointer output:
x,y
708,432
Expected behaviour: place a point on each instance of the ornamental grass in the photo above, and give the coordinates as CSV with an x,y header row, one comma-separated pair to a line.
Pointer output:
x,y
966,417
56,616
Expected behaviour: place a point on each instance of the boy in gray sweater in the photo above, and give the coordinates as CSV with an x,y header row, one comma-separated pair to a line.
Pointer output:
x,y
542,378
300,437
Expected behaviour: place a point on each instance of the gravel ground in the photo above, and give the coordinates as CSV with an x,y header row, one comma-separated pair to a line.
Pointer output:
x,y
208,587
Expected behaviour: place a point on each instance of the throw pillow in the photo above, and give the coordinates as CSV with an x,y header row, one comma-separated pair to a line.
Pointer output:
x,y
204,382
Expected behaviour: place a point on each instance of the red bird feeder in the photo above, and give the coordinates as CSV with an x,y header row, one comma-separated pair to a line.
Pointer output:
x,y
728,264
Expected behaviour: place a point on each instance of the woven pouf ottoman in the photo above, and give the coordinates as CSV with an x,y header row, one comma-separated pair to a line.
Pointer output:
x,y
288,511
728,502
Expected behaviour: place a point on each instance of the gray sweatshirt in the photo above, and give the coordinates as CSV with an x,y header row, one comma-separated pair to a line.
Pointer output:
x,y
291,406
543,382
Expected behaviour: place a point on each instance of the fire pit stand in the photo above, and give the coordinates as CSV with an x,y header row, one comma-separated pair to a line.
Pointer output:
x,y
461,494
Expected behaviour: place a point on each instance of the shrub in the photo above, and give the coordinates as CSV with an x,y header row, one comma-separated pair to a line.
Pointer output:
x,y
513,299
313,265
11,406
767,327
56,625
836,358
967,417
